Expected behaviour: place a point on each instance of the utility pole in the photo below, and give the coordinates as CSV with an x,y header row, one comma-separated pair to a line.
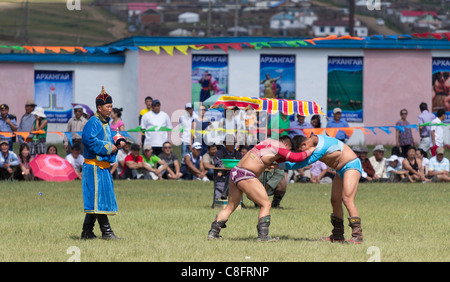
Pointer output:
x,y
25,23
236,18
209,19
351,17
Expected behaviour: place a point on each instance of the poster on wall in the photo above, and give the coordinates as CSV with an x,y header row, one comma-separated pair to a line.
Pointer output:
x,y
441,86
277,76
345,87
209,76
53,92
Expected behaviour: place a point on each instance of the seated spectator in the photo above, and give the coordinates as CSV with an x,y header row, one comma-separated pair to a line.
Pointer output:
x,y
394,173
439,167
378,162
414,165
318,171
208,160
76,159
366,165
9,162
52,150
423,156
171,159
25,172
228,151
294,175
192,165
154,166
304,174
133,164
122,153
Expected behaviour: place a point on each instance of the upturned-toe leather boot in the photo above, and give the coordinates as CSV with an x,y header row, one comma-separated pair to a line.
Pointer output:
x,y
216,226
337,234
263,230
355,224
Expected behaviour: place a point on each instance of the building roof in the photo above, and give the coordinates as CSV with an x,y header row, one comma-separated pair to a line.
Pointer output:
x,y
330,23
418,13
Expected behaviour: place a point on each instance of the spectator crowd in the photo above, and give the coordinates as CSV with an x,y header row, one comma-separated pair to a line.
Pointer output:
x,y
207,139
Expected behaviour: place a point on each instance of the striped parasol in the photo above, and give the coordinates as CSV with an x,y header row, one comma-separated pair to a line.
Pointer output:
x,y
290,107
272,106
229,102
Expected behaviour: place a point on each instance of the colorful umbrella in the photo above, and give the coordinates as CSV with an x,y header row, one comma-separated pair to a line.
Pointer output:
x,y
212,100
271,106
52,168
230,102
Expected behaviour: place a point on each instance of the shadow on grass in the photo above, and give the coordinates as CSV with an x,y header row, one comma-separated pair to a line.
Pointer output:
x,y
282,238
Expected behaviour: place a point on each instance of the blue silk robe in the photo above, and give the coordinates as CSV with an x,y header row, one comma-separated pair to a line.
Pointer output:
x,y
98,187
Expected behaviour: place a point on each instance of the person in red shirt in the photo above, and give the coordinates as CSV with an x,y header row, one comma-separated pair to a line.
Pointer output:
x,y
133,163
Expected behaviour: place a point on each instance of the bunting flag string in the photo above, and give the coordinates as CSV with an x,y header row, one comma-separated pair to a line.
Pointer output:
x,y
331,131
169,49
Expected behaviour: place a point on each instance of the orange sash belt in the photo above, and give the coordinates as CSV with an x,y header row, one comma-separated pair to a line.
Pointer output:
x,y
101,164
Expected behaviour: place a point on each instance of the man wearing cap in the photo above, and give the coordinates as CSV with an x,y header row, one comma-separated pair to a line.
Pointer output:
x,y
8,123
9,162
100,151
26,121
338,122
158,120
378,162
186,123
439,167
74,125
192,165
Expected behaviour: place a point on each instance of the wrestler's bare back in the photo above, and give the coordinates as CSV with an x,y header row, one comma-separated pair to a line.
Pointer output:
x,y
334,160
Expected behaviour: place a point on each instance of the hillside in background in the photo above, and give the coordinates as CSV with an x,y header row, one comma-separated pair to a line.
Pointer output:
x,y
50,22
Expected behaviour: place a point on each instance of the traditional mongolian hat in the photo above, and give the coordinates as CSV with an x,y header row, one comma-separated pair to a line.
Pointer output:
x,y
103,98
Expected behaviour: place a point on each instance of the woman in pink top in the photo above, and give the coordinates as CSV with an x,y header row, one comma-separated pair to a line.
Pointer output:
x,y
116,122
244,179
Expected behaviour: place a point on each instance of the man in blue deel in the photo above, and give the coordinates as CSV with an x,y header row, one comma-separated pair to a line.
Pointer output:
x,y
100,151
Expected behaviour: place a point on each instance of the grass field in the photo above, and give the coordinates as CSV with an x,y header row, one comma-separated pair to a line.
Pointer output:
x,y
167,221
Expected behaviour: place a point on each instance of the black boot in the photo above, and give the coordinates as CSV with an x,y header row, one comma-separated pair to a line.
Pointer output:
x,y
263,230
107,232
337,234
88,226
216,226
277,196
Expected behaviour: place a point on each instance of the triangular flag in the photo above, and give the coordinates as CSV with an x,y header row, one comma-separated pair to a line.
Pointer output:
x,y
223,46
156,49
236,46
348,130
196,47
182,49
168,49
331,131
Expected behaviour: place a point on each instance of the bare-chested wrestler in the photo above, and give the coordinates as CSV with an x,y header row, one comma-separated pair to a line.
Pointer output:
x,y
244,179
340,157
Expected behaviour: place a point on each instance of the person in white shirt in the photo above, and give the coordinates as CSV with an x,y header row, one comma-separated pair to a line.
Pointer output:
x,y
437,132
378,162
186,123
438,167
156,118
76,159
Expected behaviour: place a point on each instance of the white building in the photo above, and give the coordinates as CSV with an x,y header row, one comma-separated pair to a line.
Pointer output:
x,y
188,17
284,20
338,28
412,16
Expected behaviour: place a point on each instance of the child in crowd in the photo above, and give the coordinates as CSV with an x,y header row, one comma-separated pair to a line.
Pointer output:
x,y
394,173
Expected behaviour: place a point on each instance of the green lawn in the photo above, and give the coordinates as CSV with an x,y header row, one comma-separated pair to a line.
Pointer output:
x,y
167,221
